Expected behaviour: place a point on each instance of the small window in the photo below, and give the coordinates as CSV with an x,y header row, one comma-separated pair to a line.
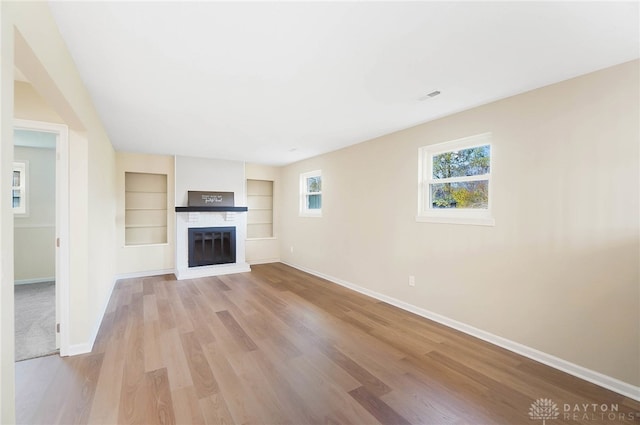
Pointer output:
x,y
19,187
311,194
455,182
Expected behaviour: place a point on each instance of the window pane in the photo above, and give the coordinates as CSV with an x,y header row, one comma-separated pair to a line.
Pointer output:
x,y
16,178
465,162
314,184
460,195
314,202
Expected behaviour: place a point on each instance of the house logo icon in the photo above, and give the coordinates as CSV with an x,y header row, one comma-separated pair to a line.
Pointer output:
x,y
543,408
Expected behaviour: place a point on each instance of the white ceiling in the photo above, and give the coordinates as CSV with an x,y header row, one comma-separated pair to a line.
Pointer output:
x,y
274,83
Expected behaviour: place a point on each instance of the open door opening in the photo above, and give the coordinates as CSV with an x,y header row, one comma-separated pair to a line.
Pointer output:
x,y
41,226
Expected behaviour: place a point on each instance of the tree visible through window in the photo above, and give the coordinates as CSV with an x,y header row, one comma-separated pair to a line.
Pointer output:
x,y
311,193
449,167
455,181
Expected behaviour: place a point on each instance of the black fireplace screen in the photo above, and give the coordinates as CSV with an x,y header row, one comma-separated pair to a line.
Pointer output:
x,y
212,245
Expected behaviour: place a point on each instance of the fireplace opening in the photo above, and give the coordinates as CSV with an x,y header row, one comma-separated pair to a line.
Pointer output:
x,y
212,245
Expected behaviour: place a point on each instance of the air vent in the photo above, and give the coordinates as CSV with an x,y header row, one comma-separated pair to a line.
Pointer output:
x,y
430,95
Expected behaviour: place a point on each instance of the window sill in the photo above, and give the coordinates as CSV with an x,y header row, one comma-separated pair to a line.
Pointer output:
x,y
310,214
474,221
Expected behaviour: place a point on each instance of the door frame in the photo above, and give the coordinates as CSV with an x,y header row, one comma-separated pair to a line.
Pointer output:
x,y
62,223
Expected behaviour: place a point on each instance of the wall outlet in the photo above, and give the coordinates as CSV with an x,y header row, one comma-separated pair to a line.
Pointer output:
x,y
291,248
412,281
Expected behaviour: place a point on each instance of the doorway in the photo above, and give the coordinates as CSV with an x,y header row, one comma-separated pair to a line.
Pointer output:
x,y
41,227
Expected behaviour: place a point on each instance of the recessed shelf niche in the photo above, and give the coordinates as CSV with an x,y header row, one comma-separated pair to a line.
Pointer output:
x,y
260,203
145,208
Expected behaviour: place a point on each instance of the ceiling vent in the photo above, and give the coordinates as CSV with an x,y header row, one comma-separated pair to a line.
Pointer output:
x,y
430,95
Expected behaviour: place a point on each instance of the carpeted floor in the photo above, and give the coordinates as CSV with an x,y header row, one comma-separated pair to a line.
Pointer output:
x,y
35,319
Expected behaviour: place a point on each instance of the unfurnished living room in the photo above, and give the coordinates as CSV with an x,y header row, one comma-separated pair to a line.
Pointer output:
x,y
370,212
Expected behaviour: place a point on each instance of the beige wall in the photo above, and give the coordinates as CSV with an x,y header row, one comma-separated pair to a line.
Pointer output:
x,y
144,259
34,234
265,250
558,272
31,41
29,105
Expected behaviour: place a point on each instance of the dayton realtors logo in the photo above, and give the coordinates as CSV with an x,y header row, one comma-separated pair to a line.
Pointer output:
x,y
544,408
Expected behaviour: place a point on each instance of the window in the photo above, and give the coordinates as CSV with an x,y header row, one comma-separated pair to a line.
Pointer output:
x,y
19,187
455,182
311,194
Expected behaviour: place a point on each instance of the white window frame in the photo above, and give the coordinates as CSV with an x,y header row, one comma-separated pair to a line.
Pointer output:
x,y
23,168
304,211
426,212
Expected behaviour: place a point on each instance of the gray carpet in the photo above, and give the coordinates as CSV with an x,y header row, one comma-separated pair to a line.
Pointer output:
x,y
35,318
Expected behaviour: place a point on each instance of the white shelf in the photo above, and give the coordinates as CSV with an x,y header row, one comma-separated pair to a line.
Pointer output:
x,y
145,209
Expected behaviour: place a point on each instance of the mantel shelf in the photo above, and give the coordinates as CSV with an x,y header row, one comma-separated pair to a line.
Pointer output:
x,y
212,209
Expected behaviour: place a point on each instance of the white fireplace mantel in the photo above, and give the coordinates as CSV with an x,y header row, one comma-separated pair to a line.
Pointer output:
x,y
199,219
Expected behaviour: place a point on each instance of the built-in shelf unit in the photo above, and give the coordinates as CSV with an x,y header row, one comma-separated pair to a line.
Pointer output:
x,y
260,203
145,208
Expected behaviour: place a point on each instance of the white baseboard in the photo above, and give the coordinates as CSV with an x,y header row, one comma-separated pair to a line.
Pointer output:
x,y
215,270
267,261
75,349
144,274
86,347
608,382
36,280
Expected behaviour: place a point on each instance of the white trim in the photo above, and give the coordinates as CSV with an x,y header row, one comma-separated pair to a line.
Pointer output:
x,y
21,165
148,273
475,221
76,349
62,224
312,215
35,280
213,270
33,226
86,347
427,214
476,178
304,211
608,382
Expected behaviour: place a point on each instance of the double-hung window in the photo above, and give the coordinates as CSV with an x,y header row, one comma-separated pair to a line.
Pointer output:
x,y
455,182
19,188
311,194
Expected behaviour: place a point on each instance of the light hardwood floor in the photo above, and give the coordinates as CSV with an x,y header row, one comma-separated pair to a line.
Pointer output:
x,y
279,346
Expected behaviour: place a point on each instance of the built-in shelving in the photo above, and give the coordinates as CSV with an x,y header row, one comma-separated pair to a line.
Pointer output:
x,y
145,208
260,202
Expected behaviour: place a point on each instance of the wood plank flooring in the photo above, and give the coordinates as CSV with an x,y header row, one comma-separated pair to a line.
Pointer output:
x,y
279,346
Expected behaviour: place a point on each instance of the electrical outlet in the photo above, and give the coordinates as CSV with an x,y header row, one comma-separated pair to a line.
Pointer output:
x,y
291,249
412,281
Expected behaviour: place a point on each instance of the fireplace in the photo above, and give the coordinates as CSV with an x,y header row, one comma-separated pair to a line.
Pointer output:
x,y
210,199
211,245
